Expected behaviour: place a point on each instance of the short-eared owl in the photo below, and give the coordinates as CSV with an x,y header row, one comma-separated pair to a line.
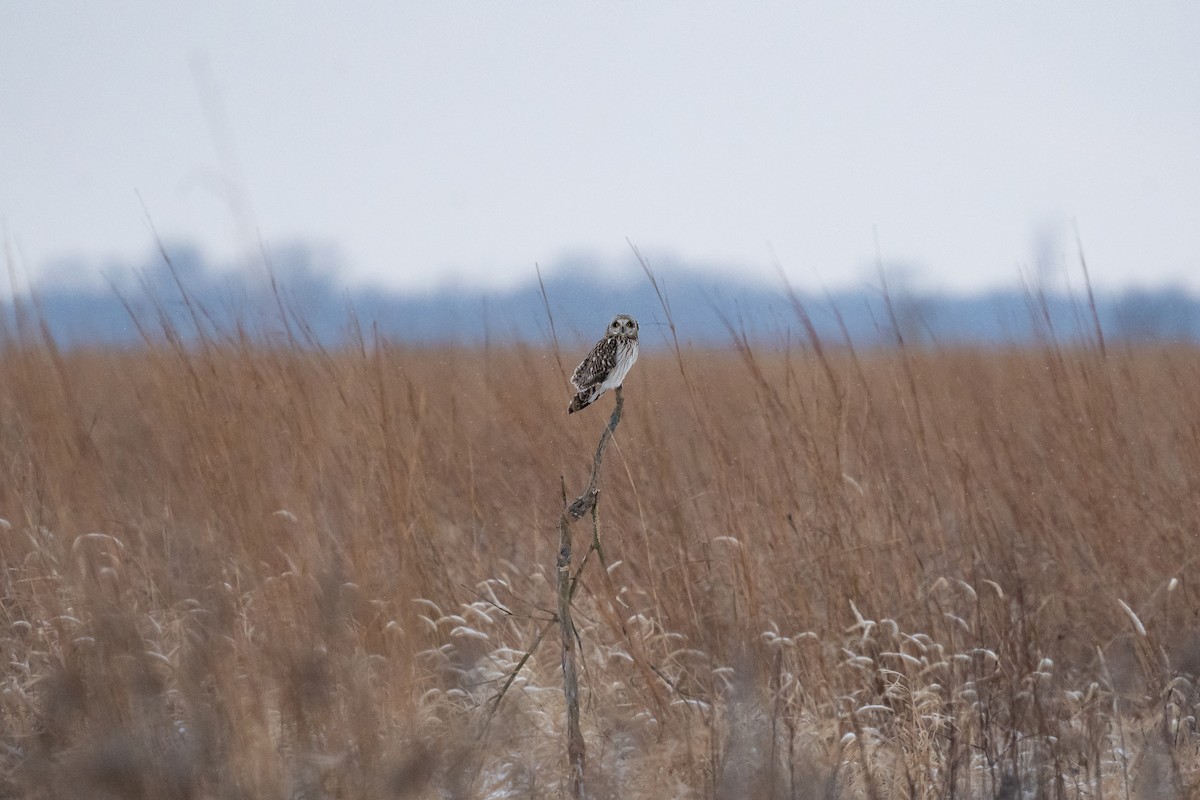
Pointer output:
x,y
606,366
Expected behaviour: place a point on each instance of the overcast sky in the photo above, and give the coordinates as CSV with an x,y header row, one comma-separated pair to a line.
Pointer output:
x,y
435,141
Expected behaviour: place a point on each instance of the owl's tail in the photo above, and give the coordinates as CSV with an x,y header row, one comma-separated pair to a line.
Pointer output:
x,y
581,401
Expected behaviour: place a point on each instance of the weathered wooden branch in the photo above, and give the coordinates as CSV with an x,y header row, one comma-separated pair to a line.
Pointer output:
x,y
583,504
567,584
576,754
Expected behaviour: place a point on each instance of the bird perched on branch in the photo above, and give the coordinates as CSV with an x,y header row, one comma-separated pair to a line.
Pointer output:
x,y
608,363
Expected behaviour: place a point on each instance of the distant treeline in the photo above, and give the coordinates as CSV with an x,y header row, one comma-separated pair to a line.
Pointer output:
x,y
298,299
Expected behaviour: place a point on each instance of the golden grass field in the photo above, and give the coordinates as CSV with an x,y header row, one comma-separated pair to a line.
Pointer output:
x,y
233,570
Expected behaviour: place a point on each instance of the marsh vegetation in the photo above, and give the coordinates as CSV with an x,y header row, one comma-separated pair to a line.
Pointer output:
x,y
237,569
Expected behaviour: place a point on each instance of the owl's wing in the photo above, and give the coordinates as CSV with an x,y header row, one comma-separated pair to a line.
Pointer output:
x,y
598,364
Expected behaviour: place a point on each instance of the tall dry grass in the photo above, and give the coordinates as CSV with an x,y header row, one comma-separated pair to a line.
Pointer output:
x,y
239,570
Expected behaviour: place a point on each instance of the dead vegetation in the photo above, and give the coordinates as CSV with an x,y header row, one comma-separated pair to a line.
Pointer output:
x,y
239,570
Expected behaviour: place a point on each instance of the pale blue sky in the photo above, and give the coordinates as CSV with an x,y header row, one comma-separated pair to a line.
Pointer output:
x,y
441,140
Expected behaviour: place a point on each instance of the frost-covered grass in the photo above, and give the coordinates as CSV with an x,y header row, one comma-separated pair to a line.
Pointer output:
x,y
232,570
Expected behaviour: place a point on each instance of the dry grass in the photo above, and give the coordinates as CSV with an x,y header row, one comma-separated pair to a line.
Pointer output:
x,y
232,570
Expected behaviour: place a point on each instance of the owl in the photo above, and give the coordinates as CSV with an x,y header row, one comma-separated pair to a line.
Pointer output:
x,y
608,363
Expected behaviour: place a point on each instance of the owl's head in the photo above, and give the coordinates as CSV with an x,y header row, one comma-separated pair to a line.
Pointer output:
x,y
623,325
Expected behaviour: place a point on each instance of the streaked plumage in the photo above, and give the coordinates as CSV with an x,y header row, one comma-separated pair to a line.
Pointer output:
x,y
608,363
